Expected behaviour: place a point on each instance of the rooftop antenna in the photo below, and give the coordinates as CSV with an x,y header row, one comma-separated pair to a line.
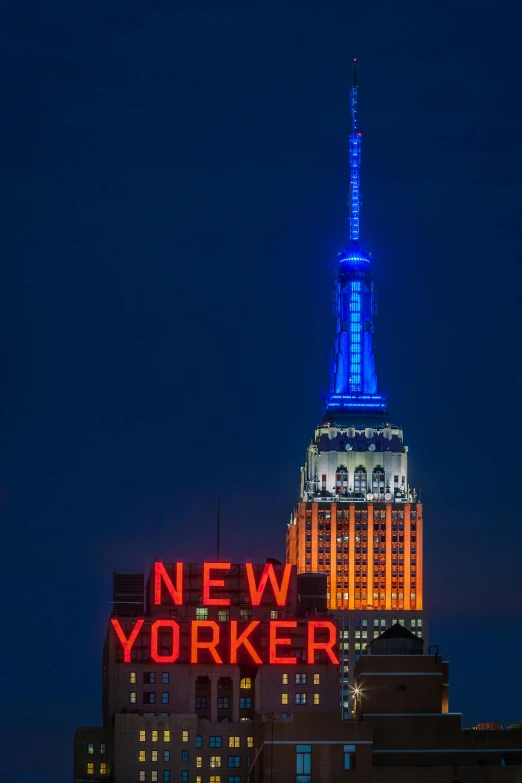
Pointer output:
x,y
217,537
355,162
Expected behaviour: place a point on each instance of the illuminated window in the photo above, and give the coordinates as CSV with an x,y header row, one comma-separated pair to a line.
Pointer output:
x,y
132,678
300,679
250,742
149,678
142,736
166,776
154,775
154,736
234,761
90,768
165,697
303,763
184,756
284,698
166,735
215,779
143,755
185,736
234,742
223,615
142,775
317,679
198,778
317,698
103,769
215,761
166,755
132,697
154,756
102,748
149,697
245,614
274,614
184,776
234,779
245,702
90,748
246,682
284,679
199,761
349,756
300,698
214,742
199,741
165,678
202,613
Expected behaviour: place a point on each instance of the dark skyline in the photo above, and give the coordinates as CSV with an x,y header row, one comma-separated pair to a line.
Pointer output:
x,y
175,181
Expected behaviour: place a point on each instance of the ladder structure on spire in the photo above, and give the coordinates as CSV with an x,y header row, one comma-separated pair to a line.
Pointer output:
x,y
355,163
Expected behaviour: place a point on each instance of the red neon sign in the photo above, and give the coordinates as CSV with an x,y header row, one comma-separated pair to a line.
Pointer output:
x,y
126,643
327,646
208,583
243,640
210,644
161,577
154,641
280,591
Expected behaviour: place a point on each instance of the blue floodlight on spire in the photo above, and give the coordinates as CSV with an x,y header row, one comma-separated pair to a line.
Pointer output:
x,y
354,383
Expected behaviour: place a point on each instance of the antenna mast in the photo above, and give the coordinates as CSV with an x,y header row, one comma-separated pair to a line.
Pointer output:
x,y
218,531
355,162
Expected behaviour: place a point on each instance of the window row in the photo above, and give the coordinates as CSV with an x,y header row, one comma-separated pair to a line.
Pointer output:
x,y
300,698
90,768
213,741
90,748
215,762
165,776
149,678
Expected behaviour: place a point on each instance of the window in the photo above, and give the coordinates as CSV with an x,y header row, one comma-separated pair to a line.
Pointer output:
x,y
165,697
245,702
215,761
142,736
166,755
214,742
90,748
284,679
245,682
201,702
250,742
103,749
199,741
300,679
103,769
223,615
185,736
199,761
202,613
317,679
284,698
274,614
234,779
154,736
222,702
90,768
132,678
149,678
317,698
142,775
349,756
245,614
234,761
166,735
164,678
184,776
300,698
154,756
215,779
184,756
198,778
234,742
149,697
154,775
166,776
132,697
303,763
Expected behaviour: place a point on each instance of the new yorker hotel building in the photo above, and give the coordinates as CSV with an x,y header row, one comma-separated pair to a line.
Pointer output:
x,y
186,672
358,520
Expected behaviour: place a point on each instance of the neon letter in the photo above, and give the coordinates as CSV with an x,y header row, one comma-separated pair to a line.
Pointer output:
x,y
236,641
280,592
196,645
126,643
274,642
327,646
176,593
208,583
154,641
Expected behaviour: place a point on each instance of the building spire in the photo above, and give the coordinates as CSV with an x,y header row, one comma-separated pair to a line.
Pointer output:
x,y
355,162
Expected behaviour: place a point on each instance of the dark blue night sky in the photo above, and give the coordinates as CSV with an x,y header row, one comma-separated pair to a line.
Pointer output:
x,y
174,187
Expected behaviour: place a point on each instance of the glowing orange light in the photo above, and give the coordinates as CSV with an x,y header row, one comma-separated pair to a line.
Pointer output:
x,y
274,642
280,591
326,646
176,592
154,641
126,643
209,645
236,641
208,583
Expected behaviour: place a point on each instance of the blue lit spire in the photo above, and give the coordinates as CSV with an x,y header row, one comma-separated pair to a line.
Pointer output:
x,y
354,382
